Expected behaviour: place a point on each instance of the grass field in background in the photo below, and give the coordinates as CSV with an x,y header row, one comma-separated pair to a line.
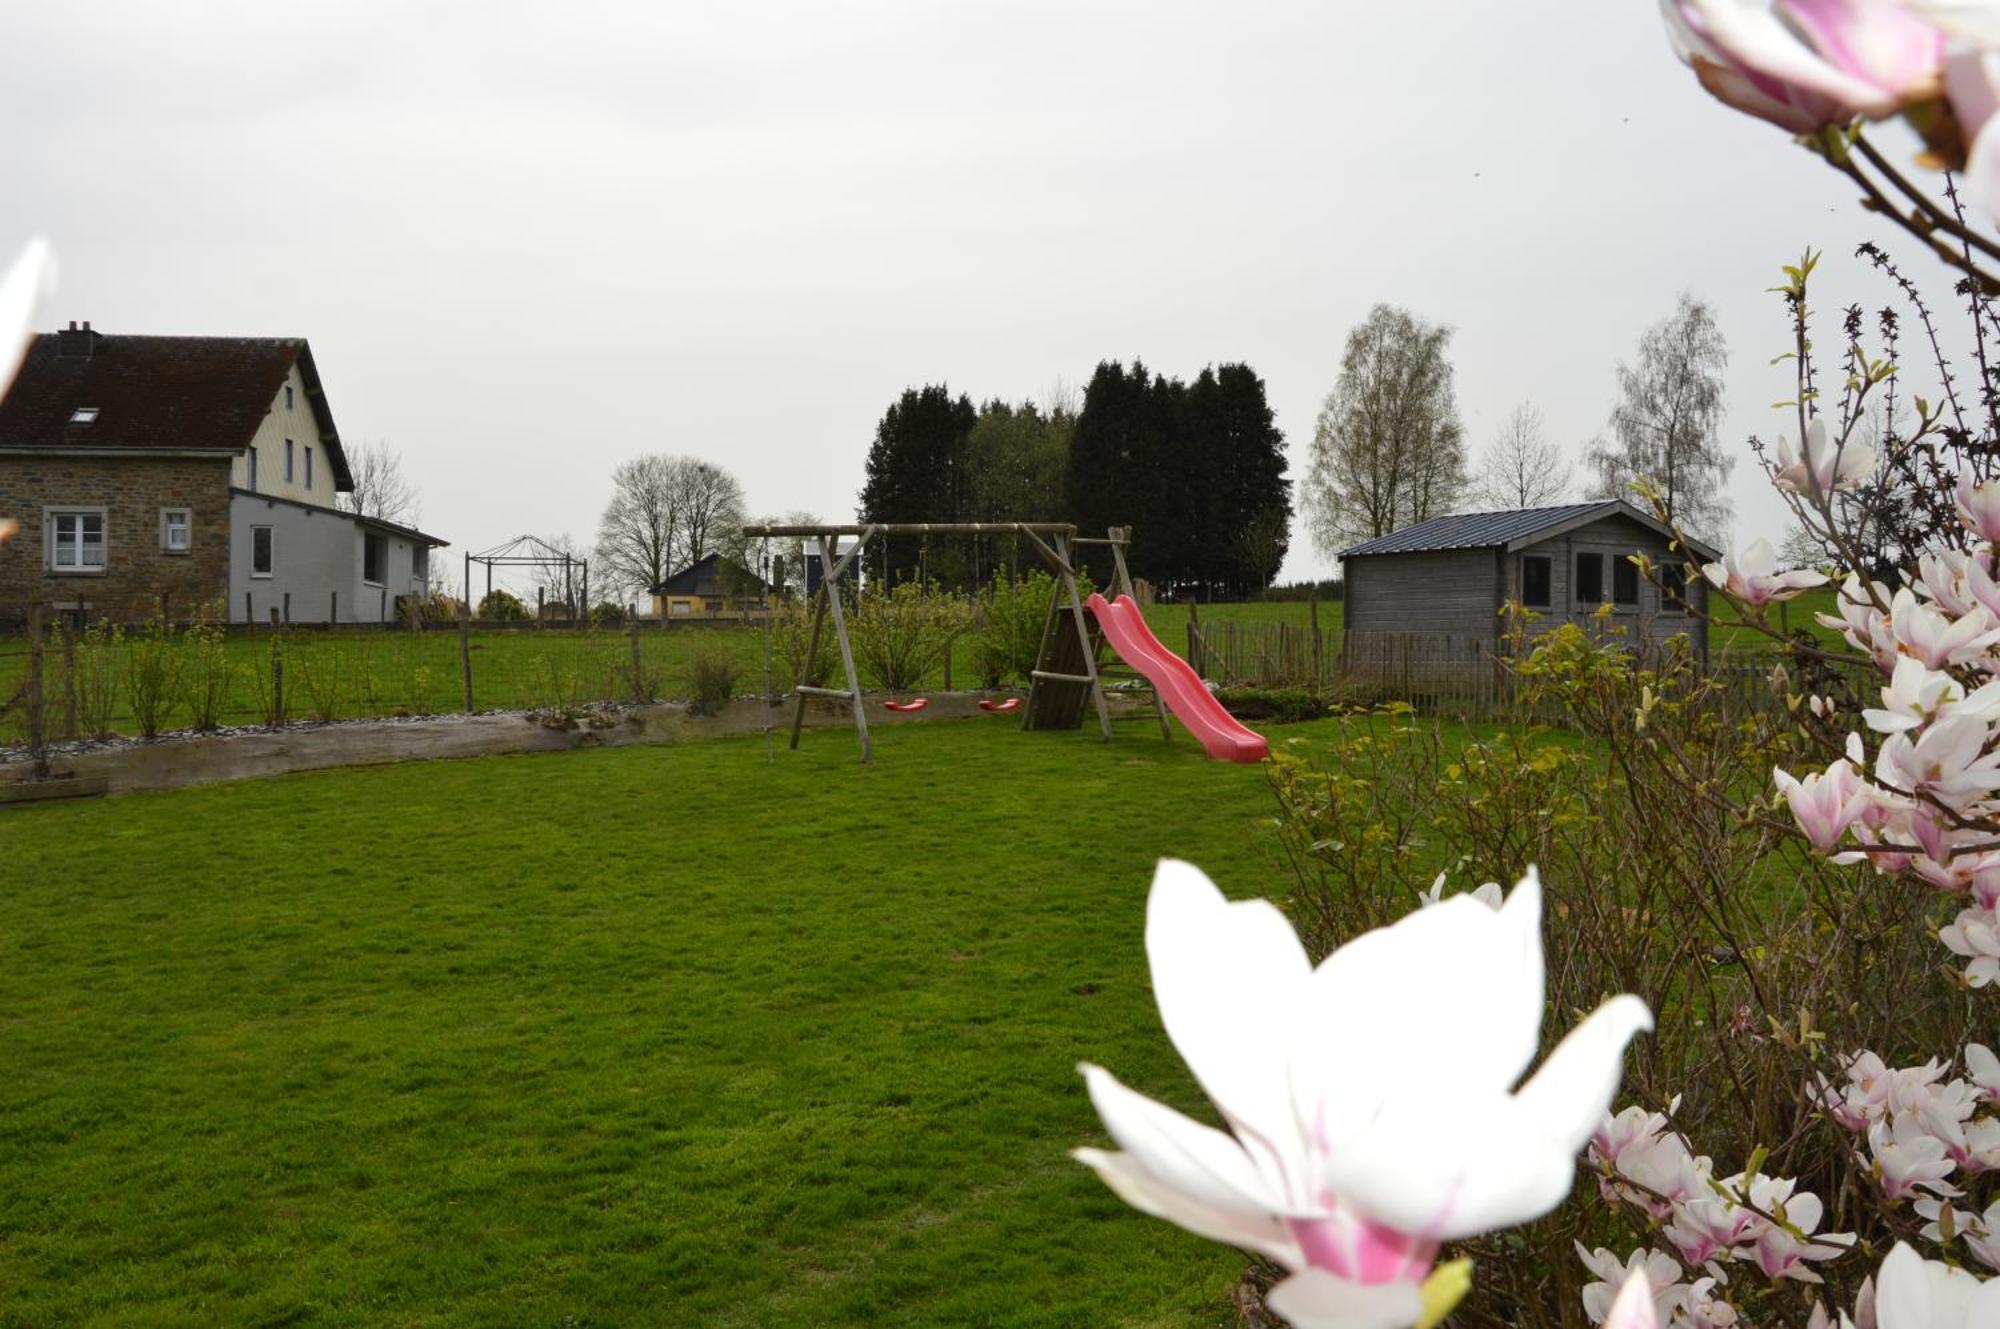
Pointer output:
x,y
649,1036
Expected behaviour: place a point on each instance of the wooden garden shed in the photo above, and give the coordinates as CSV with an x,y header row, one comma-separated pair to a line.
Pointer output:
x,y
1449,578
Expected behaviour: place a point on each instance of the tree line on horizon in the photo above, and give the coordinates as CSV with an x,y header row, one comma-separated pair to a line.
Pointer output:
x,y
1195,467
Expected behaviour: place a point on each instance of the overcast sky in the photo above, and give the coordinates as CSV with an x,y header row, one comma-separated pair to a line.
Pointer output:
x,y
528,241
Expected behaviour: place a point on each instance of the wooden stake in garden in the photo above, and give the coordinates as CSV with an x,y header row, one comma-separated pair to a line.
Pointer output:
x,y
38,746
465,651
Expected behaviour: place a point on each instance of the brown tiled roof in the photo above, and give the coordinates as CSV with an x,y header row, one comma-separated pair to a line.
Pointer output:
x,y
158,392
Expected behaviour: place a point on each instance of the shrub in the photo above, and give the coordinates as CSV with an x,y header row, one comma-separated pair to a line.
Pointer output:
x,y
791,634
900,637
605,614
502,607
1764,961
99,652
209,673
317,672
1278,705
153,676
712,671
1008,623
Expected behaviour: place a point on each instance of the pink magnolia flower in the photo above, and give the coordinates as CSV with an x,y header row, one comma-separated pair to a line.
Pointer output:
x,y
1983,1068
1914,1293
1865,627
22,291
1979,505
1937,639
1975,934
1916,693
1820,468
1637,1305
1907,1160
1972,86
1805,64
1665,1291
1371,1101
1749,573
1948,760
1827,802
1777,1251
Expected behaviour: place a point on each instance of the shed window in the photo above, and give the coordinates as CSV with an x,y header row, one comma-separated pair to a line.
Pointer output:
x,y
260,551
1590,579
1535,581
1673,588
1624,581
76,540
374,558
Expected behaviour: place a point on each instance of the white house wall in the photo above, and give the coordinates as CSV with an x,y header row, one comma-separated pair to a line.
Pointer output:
x,y
299,423
316,559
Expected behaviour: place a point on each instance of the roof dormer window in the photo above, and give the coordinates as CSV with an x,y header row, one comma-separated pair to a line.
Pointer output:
x,y
84,415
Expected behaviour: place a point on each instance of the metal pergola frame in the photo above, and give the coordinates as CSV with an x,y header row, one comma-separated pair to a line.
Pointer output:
x,y
1055,549
539,554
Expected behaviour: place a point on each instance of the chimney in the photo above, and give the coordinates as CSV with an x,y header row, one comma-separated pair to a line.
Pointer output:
x,y
74,343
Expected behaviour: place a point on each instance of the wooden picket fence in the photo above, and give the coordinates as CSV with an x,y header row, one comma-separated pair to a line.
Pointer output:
x,y
1462,676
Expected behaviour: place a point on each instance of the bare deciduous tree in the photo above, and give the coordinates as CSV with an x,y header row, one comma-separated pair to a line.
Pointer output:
x,y
639,536
1522,468
665,513
1665,423
1388,450
381,490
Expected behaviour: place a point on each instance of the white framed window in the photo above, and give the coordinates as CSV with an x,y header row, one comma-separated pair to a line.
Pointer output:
x,y
288,461
260,551
309,466
176,530
75,539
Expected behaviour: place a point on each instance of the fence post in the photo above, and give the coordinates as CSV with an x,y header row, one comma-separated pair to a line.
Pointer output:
x,y
639,688
69,680
1312,619
38,745
465,653
277,682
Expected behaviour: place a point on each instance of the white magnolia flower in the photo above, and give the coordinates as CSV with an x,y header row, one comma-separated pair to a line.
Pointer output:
x,y
22,291
1750,573
1984,1070
1915,1293
1371,1102
1975,934
1638,1303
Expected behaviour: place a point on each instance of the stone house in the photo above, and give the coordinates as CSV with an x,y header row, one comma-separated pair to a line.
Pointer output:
x,y
191,474
1451,576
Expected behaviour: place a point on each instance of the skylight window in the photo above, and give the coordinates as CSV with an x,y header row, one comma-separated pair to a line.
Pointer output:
x,y
84,415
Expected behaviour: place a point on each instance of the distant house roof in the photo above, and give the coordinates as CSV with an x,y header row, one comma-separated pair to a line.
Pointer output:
x,y
705,577
84,389
1512,529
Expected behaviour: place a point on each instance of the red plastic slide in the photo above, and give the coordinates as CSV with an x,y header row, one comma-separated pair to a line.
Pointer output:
x,y
1181,689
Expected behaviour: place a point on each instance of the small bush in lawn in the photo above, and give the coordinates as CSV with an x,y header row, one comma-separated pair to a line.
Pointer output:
x,y
99,650
791,634
901,636
154,672
712,671
502,607
1007,625
605,614
209,673
1277,705
319,672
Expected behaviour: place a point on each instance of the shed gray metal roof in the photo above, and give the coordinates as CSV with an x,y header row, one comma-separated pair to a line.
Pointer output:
x,y
1510,529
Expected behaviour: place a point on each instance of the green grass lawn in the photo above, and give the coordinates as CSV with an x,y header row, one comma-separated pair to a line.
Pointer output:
x,y
661,1036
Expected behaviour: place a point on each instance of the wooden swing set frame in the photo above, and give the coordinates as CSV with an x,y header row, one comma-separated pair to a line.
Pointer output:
x,y
1055,696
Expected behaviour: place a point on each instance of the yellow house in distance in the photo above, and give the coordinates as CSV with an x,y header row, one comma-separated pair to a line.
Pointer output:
x,y
710,587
